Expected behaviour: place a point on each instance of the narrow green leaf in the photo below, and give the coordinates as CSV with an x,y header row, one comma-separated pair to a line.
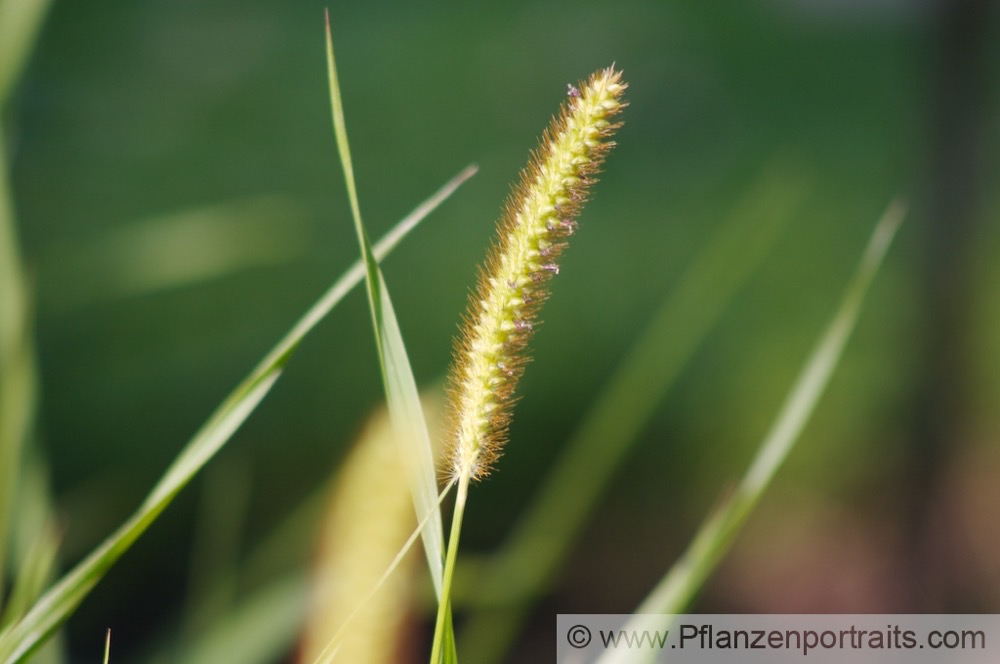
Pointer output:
x,y
33,575
107,646
35,539
677,589
449,651
56,605
62,599
18,370
20,24
402,395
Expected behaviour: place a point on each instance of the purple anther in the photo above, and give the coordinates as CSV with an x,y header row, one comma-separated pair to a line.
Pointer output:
x,y
551,267
570,225
545,251
503,367
522,325
572,91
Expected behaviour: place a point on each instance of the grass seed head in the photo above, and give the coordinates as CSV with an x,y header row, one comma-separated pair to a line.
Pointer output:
x,y
538,218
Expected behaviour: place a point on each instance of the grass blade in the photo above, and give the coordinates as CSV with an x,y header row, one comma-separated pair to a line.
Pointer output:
x,y
56,605
35,539
400,386
33,575
713,540
62,599
449,650
676,590
20,23
544,536
18,371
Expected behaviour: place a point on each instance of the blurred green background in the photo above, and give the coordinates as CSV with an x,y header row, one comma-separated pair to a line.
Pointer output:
x,y
180,204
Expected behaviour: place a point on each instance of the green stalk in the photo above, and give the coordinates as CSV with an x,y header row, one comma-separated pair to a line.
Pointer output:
x,y
444,606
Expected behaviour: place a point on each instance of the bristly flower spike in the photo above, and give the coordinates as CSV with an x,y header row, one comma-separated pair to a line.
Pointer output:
x,y
538,218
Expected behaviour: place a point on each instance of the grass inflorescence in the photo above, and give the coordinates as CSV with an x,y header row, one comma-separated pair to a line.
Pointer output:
x,y
538,217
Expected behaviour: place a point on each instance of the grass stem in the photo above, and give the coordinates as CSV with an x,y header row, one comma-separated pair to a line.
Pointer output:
x,y
449,568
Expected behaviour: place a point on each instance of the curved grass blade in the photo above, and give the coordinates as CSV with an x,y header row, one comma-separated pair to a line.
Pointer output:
x,y
18,370
33,575
35,539
716,535
677,589
402,395
61,600
20,24
543,538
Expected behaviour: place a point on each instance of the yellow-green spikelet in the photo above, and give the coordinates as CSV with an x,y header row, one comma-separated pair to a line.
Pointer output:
x,y
538,217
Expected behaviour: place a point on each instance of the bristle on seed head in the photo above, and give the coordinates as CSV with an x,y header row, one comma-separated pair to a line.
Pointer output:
x,y
537,219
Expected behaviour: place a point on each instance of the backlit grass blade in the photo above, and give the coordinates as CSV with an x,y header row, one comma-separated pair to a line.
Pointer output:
x,y
544,536
18,373
62,599
676,590
714,538
33,575
401,391
20,23
35,539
